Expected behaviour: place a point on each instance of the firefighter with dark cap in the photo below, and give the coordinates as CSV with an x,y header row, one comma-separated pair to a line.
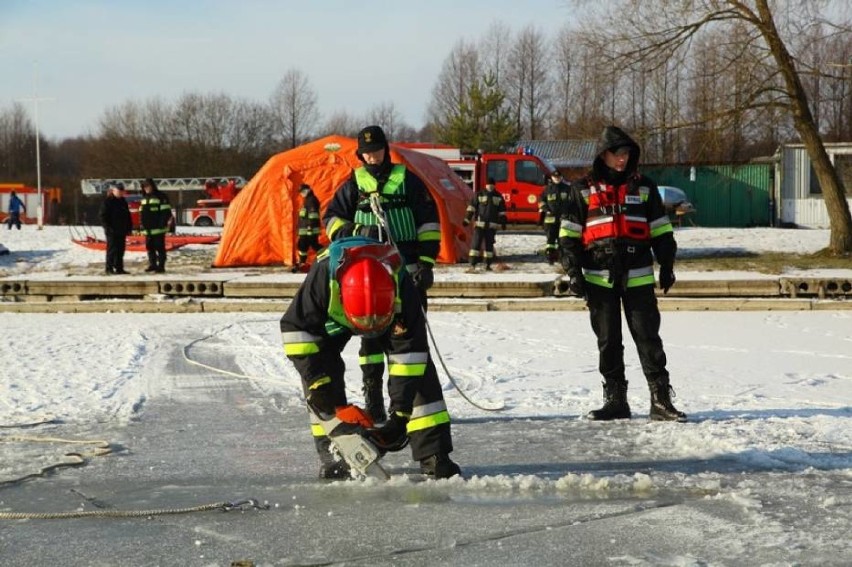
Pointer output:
x,y
614,226
309,226
155,218
487,211
377,190
359,287
549,206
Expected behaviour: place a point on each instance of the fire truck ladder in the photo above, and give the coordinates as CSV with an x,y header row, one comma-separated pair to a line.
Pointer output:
x,y
100,186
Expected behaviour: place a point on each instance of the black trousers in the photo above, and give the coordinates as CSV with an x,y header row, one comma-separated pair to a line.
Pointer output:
x,y
115,246
643,321
304,244
482,238
155,244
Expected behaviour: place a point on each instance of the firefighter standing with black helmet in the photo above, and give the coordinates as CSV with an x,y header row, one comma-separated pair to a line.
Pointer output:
x,y
486,210
358,287
309,226
414,229
155,217
549,206
613,226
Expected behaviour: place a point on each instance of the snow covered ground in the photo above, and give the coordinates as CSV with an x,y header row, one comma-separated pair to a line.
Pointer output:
x,y
767,452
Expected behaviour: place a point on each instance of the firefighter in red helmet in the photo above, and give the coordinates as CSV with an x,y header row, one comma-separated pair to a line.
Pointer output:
x,y
358,286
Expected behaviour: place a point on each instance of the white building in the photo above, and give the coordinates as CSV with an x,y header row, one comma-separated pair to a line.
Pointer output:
x,y
799,194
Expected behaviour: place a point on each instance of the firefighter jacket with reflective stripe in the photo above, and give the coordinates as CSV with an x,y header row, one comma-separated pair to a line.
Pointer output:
x,y
610,232
407,205
155,213
413,386
551,199
309,215
487,209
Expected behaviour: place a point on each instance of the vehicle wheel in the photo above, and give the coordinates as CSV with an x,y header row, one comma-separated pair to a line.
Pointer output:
x,y
203,221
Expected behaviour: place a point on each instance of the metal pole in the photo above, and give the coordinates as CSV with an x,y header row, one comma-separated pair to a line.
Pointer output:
x,y
35,100
40,207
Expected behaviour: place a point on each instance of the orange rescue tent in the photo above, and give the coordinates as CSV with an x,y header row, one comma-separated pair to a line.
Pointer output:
x,y
261,226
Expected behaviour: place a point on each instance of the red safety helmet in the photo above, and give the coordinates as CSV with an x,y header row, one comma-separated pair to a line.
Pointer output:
x,y
368,293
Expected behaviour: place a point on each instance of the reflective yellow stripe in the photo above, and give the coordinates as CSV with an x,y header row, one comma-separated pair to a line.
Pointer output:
x,y
333,226
598,280
322,381
371,359
661,230
300,349
317,430
427,421
429,236
410,370
641,280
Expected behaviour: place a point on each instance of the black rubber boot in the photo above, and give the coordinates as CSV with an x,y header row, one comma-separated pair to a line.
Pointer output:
x,y
662,408
615,403
439,466
374,401
330,468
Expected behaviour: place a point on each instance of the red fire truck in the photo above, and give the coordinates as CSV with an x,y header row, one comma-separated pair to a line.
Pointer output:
x,y
210,211
520,177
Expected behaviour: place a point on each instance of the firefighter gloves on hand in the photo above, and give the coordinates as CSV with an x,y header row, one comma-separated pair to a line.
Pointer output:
x,y
422,276
667,278
393,435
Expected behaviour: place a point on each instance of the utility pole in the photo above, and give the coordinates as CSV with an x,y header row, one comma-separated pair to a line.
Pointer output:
x,y
35,100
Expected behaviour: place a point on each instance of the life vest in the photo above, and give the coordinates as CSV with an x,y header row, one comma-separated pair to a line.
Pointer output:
x,y
617,212
400,217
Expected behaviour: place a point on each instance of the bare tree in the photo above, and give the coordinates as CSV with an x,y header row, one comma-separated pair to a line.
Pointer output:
x,y
294,104
342,124
388,117
17,144
637,30
527,86
461,69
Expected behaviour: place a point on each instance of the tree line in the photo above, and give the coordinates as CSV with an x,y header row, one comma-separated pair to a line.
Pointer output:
x,y
697,81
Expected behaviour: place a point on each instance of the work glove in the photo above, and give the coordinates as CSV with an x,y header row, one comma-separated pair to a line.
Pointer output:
x,y
422,276
392,435
541,218
667,278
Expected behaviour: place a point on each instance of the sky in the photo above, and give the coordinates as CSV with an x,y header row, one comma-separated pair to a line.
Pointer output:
x,y
87,56
760,474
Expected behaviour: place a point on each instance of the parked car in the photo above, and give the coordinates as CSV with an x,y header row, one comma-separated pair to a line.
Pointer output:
x,y
676,202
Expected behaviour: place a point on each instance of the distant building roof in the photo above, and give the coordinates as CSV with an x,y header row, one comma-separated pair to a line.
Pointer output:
x,y
561,153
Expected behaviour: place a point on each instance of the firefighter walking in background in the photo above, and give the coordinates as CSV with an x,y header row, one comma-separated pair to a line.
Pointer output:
x,y
414,229
309,227
358,286
155,218
486,210
554,194
613,226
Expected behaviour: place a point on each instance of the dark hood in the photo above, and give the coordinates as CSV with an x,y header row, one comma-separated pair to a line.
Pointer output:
x,y
614,137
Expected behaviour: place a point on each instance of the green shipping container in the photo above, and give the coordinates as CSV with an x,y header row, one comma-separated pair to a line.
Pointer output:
x,y
735,196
